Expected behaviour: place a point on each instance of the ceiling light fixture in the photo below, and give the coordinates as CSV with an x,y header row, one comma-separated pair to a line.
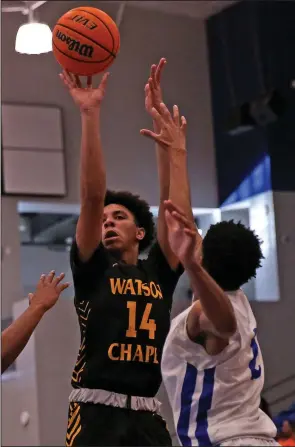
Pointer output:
x,y
33,37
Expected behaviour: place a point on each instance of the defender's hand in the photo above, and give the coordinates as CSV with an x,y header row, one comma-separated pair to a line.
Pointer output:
x,y
153,91
88,98
172,129
182,234
47,291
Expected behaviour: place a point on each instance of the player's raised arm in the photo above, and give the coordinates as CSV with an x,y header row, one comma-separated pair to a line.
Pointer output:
x,y
171,139
92,168
17,335
214,312
153,99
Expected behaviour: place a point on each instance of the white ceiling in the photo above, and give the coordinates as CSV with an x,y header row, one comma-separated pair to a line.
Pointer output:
x,y
197,9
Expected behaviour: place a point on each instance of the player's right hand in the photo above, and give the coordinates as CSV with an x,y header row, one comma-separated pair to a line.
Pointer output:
x,y
153,91
171,129
183,235
87,98
47,291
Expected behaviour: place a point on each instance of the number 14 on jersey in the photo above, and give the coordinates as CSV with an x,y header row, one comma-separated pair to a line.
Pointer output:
x,y
147,323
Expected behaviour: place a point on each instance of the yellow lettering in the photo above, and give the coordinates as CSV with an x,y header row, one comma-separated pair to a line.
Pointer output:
x,y
118,286
146,289
138,353
126,351
110,351
159,291
154,290
131,331
129,287
138,282
155,356
147,323
150,350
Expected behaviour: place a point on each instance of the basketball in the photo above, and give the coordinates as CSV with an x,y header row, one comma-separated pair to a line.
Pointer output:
x,y
85,41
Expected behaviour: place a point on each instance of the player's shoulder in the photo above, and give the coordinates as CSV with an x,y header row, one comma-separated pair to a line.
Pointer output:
x,y
240,304
246,321
156,262
153,257
100,257
178,331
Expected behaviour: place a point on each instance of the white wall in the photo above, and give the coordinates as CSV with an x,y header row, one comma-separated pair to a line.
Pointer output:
x,y
262,220
145,37
258,213
11,289
276,328
43,260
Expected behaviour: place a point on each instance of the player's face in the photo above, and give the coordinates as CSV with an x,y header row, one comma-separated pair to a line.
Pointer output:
x,y
119,229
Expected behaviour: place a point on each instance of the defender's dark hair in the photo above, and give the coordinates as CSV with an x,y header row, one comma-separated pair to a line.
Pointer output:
x,y
231,254
139,208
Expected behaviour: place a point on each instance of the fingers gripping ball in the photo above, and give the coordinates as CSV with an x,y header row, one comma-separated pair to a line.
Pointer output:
x,y
85,41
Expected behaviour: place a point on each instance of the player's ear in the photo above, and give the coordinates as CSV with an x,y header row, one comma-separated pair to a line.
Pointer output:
x,y
140,233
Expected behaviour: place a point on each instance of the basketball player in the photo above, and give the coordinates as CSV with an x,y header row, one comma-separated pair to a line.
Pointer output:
x,y
16,336
123,303
212,365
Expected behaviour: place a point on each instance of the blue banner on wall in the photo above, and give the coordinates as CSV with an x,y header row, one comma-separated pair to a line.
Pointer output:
x,y
257,182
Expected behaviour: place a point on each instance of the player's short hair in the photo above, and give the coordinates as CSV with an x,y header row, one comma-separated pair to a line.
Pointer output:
x,y
231,254
141,211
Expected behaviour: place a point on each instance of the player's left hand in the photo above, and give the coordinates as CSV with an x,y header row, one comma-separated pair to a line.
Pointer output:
x,y
47,291
173,129
183,235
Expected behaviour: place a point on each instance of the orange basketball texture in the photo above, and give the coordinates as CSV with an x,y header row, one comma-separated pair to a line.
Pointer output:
x,y
85,41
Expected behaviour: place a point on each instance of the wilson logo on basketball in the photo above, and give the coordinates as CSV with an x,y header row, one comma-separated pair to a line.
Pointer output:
x,y
75,45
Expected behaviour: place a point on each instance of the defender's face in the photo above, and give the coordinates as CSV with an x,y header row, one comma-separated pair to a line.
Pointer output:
x,y
119,229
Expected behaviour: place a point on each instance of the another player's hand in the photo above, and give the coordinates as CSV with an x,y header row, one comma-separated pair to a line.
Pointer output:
x,y
173,129
47,291
183,236
87,98
153,91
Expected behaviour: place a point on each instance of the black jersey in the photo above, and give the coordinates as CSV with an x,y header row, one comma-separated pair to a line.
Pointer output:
x,y
124,317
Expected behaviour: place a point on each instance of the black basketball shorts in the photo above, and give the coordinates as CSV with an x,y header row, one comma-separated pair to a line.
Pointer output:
x,y
101,425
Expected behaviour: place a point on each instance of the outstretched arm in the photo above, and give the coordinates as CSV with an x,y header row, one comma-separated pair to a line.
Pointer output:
x,y
17,335
92,168
214,312
172,160
153,99
172,139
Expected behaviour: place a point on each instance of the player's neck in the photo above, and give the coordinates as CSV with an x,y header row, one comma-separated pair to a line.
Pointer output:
x,y
130,257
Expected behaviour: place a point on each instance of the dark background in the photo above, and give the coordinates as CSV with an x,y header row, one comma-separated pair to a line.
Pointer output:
x,y
252,48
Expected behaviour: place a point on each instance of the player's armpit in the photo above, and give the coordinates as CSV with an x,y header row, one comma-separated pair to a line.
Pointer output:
x,y
198,323
193,327
89,227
